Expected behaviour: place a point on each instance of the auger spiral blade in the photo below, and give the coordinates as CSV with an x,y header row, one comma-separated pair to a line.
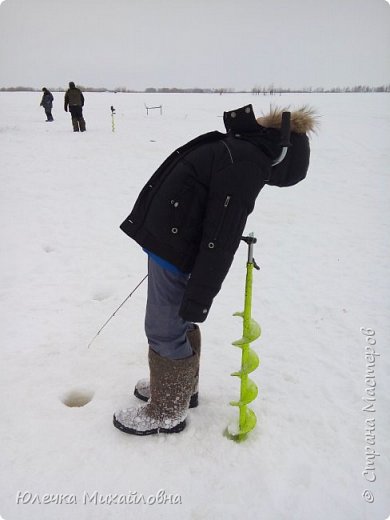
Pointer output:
x,y
239,432
249,394
251,333
250,364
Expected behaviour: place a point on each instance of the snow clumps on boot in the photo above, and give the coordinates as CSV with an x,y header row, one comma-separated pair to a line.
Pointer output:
x,y
171,384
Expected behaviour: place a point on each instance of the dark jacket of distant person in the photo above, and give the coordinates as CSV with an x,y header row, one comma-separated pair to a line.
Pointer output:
x,y
47,99
73,97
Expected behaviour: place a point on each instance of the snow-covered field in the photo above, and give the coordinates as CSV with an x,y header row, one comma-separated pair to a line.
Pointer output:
x,y
65,266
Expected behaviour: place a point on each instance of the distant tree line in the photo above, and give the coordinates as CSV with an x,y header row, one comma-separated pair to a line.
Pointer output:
x,y
271,89
17,89
194,90
257,90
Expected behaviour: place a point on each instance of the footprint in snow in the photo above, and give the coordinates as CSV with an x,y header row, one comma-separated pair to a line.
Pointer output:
x,y
48,249
101,296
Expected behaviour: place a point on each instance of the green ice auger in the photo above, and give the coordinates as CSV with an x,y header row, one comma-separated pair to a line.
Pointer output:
x,y
249,359
112,118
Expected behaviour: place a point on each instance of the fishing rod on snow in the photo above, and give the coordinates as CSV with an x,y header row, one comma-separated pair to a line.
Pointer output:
x,y
113,314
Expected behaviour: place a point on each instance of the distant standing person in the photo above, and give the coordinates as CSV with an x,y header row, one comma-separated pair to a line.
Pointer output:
x,y
74,99
47,103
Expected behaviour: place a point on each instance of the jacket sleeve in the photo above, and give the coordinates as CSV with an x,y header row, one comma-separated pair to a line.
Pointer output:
x,y
232,195
66,102
82,99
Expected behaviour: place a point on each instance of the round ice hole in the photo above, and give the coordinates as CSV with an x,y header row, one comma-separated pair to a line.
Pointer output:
x,y
77,398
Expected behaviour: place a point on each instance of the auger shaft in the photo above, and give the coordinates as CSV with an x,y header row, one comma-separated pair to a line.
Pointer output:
x,y
249,358
112,118
246,329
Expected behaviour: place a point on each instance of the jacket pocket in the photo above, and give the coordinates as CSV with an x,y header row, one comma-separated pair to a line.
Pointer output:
x,y
229,225
180,209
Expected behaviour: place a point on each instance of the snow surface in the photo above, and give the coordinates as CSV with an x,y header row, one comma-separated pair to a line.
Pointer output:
x,y
65,266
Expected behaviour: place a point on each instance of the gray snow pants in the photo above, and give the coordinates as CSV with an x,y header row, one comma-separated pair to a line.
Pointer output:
x,y
165,329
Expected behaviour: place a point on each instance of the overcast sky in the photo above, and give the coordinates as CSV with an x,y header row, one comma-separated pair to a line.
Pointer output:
x,y
194,43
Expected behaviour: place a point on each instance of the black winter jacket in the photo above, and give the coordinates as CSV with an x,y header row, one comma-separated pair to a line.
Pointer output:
x,y
73,97
47,100
193,210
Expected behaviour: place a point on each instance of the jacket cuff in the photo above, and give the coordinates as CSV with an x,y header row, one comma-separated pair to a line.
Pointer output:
x,y
191,310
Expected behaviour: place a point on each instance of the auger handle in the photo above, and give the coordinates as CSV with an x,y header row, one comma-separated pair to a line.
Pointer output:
x,y
251,241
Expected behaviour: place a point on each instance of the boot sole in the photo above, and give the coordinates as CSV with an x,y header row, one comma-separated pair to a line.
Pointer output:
x,y
194,401
176,429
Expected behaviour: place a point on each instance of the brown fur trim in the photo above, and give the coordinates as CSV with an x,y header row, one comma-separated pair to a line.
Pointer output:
x,y
303,120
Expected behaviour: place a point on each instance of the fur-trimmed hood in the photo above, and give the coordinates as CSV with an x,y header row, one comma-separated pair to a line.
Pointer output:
x,y
304,120
264,132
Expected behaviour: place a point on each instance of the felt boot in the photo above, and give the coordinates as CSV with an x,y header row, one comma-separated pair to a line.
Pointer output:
x,y
75,124
171,383
142,388
82,124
